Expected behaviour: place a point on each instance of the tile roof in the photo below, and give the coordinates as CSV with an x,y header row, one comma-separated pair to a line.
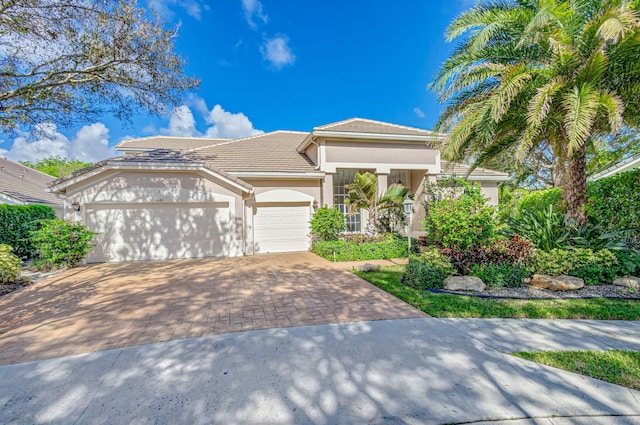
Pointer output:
x,y
25,184
454,168
168,142
361,125
270,152
156,156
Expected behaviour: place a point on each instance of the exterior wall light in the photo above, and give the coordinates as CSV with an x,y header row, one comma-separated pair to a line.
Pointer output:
x,y
75,205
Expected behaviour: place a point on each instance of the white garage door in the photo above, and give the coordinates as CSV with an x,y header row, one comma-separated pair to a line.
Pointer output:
x,y
159,231
281,227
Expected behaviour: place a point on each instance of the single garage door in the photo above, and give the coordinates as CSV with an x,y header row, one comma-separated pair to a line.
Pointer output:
x,y
159,231
281,227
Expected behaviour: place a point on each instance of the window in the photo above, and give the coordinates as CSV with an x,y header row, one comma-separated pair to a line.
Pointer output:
x,y
341,178
398,176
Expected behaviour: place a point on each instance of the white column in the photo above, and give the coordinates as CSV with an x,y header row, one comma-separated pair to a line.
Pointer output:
x,y
327,191
383,183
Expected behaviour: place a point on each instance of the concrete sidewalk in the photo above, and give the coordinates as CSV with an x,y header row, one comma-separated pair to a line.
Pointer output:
x,y
412,371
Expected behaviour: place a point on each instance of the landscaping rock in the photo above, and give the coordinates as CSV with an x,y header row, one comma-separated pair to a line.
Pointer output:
x,y
629,281
464,283
557,283
368,267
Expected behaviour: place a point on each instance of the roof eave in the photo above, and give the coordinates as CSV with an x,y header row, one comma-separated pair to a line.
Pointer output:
x,y
150,165
477,178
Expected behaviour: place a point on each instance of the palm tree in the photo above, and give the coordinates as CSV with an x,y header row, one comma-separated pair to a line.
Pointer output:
x,y
540,73
363,194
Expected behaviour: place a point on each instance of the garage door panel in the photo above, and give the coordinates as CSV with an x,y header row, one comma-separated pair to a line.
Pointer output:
x,y
281,227
154,232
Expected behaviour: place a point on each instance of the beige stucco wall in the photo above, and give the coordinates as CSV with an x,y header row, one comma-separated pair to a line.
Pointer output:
x,y
490,191
312,153
376,153
164,189
311,187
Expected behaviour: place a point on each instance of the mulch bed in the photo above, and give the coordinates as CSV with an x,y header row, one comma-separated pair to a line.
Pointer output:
x,y
531,292
28,277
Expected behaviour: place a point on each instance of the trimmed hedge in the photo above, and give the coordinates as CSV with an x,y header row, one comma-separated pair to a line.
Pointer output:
x,y
615,201
16,224
539,200
390,246
595,267
62,243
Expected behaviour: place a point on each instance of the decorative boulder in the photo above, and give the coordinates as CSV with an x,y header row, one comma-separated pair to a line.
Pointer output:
x,y
557,283
629,281
464,283
368,267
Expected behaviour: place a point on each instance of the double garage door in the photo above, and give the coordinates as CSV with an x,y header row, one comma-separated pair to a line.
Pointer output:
x,y
159,231
132,232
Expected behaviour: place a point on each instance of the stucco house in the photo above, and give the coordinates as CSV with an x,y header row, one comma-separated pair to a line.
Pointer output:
x,y
171,197
20,185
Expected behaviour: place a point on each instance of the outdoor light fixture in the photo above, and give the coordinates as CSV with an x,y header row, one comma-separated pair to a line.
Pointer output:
x,y
76,206
407,205
315,205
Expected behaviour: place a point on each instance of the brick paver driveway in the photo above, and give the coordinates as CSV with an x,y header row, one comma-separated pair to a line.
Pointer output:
x,y
105,306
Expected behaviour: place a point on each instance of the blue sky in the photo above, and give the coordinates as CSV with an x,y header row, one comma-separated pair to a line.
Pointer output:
x,y
267,65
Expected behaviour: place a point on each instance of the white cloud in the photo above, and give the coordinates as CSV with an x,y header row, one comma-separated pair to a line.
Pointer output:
x,y
90,144
419,112
229,125
165,8
221,124
276,50
181,123
254,10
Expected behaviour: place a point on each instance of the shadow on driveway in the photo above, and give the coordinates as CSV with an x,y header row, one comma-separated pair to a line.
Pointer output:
x,y
113,305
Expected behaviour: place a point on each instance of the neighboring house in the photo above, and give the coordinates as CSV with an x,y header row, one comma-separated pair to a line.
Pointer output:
x,y
195,197
628,164
20,185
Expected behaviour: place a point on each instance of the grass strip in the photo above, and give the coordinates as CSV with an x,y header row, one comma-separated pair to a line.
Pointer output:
x,y
447,305
617,367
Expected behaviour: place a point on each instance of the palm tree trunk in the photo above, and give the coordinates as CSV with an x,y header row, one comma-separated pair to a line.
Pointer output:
x,y
575,190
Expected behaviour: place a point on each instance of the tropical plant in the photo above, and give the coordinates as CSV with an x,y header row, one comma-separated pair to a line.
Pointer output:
x,y
546,229
363,194
327,223
544,74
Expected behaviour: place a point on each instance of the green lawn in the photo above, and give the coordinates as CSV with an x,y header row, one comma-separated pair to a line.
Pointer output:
x,y
447,305
617,367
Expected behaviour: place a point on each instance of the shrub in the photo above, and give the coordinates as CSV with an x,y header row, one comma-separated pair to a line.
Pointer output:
x,y
541,200
16,223
595,267
62,243
461,222
327,223
500,251
509,275
545,228
615,201
389,246
9,265
428,270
